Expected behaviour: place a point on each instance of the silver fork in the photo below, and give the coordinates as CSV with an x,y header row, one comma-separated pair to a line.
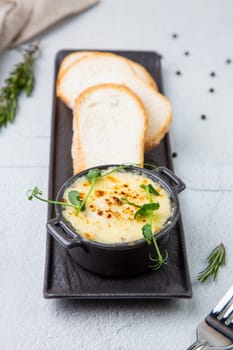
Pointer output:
x,y
216,331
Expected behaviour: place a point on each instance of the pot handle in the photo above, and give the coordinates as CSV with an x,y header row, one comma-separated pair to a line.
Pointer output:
x,y
178,184
55,228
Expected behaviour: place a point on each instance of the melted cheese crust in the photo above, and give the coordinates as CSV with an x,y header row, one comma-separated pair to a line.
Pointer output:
x,y
106,219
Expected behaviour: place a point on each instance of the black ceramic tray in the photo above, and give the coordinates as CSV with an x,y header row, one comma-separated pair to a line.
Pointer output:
x,y
66,279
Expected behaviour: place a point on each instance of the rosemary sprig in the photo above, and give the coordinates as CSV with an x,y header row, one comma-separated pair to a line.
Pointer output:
x,y
19,80
216,259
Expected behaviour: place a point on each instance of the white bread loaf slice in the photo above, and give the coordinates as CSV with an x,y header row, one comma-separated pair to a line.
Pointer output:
x,y
143,74
69,59
103,117
138,68
102,68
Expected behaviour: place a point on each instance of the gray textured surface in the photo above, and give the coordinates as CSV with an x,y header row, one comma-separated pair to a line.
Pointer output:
x,y
205,162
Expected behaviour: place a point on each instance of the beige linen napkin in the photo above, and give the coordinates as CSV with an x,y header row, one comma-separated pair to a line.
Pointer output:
x,y
20,20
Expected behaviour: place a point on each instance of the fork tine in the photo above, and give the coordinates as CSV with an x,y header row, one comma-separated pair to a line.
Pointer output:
x,y
221,317
229,321
223,302
227,311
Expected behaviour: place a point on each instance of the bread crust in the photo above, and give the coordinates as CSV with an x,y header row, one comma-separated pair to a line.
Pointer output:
x,y
159,135
145,72
78,153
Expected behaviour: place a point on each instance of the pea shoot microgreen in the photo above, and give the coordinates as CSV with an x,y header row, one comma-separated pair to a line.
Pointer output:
x,y
74,196
125,200
150,189
147,210
93,174
160,260
216,259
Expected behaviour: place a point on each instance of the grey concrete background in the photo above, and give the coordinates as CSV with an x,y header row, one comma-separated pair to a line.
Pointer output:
x,y
205,162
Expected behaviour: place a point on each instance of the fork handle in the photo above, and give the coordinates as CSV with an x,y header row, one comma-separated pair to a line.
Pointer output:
x,y
204,345
198,345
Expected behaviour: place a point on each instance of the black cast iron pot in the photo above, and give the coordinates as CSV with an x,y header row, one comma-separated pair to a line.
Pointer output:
x,y
120,259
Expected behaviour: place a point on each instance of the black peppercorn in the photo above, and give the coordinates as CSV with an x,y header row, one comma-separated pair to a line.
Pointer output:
x,y
212,74
211,90
186,53
228,61
174,35
203,116
178,72
174,155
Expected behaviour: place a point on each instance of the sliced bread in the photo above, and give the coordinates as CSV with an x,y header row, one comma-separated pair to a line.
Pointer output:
x,y
138,68
104,115
102,68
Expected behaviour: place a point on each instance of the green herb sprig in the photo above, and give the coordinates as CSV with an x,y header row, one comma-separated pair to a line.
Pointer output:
x,y
216,259
147,210
74,196
21,79
125,200
148,234
149,188
144,208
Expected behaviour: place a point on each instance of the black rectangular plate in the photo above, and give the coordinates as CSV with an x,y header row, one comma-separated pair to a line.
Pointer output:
x,y
66,279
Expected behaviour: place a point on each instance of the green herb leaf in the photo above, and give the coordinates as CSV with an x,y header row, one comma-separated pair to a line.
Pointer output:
x,y
150,189
35,192
93,174
74,197
146,209
216,259
147,233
